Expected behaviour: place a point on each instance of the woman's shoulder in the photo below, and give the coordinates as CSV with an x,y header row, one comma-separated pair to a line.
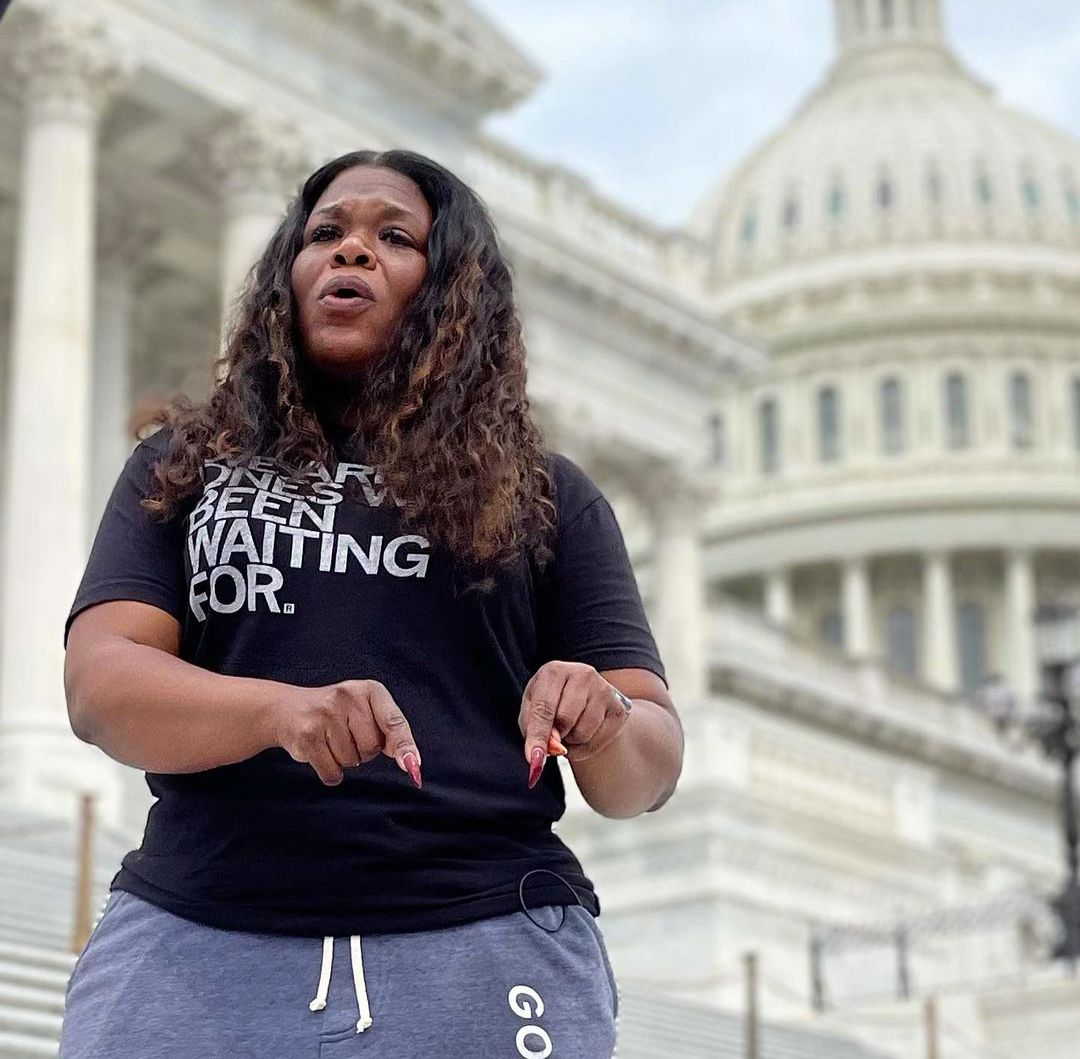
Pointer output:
x,y
155,442
573,487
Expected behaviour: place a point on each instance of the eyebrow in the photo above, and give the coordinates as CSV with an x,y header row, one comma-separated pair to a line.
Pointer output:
x,y
337,209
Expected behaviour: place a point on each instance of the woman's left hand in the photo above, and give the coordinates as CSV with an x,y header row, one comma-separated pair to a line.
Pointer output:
x,y
575,702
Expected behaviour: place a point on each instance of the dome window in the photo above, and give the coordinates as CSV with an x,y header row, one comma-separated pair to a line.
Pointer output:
x,y
1072,200
983,188
828,424
971,638
831,629
1076,411
1020,410
836,200
717,454
749,228
935,192
791,212
956,411
884,192
892,416
901,641
769,425
1031,193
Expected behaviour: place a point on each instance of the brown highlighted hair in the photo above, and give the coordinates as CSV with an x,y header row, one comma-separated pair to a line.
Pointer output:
x,y
443,414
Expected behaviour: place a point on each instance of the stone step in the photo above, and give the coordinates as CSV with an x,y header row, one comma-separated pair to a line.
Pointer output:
x,y
21,996
32,956
21,1046
38,977
30,1023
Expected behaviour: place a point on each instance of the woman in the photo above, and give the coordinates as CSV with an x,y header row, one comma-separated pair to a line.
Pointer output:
x,y
343,683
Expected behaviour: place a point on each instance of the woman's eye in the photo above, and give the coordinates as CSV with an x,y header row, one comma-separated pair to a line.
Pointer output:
x,y
396,235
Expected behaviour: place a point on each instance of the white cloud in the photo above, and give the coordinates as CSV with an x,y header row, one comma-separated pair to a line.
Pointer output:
x,y
655,101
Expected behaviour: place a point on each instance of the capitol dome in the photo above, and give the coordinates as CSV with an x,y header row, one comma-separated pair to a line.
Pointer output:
x,y
899,146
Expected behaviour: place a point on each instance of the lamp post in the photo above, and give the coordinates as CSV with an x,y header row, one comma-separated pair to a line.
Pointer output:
x,y
1052,721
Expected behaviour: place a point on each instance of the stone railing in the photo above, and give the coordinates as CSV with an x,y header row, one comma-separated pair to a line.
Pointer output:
x,y
750,657
559,199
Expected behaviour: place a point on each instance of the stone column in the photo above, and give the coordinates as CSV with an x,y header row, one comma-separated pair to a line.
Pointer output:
x,y
778,605
939,647
125,236
855,592
260,161
679,500
68,69
1023,672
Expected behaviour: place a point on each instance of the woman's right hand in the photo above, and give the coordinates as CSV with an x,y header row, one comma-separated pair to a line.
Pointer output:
x,y
337,726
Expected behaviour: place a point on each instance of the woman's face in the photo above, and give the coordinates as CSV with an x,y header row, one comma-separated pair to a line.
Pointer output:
x,y
367,234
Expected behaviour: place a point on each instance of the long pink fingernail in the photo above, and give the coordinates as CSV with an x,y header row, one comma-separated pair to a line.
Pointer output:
x,y
536,765
413,768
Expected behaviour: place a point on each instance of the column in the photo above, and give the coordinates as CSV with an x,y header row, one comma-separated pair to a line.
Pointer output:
x,y
939,608
855,594
1023,673
125,237
260,162
679,501
778,606
68,69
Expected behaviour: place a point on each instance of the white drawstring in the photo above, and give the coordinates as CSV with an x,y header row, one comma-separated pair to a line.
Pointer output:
x,y
324,975
357,958
365,1019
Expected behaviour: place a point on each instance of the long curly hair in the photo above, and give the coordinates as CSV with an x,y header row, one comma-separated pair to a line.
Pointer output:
x,y
443,414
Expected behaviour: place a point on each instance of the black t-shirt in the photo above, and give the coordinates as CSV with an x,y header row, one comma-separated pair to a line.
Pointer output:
x,y
309,591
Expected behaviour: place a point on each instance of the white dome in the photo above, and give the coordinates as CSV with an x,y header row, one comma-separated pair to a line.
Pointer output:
x,y
900,144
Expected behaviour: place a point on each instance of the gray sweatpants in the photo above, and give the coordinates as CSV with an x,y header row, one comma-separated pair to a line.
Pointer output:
x,y
152,984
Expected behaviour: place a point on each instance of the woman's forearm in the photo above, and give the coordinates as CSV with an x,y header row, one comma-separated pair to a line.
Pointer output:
x,y
639,769
151,710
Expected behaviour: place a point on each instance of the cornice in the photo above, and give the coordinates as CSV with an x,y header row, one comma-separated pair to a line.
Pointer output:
x,y
448,44
895,731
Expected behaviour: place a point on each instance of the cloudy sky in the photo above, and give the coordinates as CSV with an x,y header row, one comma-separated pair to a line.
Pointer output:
x,y
654,100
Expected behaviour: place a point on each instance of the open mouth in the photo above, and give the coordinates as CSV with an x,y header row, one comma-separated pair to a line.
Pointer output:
x,y
346,300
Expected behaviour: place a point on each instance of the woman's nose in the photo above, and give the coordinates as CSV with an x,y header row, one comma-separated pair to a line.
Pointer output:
x,y
353,251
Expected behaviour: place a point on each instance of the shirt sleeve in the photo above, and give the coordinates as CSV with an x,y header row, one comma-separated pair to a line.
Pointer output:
x,y
592,611
133,555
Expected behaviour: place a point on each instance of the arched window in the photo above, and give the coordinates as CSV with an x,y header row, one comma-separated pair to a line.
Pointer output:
x,y
1030,191
791,212
884,191
831,628
717,453
901,641
971,639
836,199
1076,411
887,13
748,228
913,12
983,188
828,424
1020,410
892,416
1072,197
935,190
860,15
956,412
769,422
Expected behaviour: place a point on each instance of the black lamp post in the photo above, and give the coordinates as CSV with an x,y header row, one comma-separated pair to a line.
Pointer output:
x,y
1053,723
